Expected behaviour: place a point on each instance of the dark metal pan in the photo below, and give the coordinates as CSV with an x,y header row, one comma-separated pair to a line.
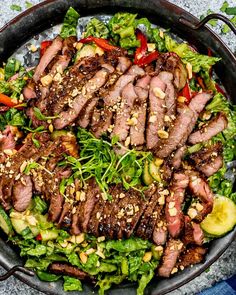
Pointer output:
x,y
162,13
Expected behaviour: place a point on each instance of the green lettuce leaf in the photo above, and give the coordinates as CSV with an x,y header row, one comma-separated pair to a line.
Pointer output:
x,y
198,61
129,245
72,284
12,117
70,23
97,29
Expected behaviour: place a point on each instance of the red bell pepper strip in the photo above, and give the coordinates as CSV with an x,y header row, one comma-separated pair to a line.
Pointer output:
x,y
219,89
186,92
6,100
100,42
140,51
141,57
147,59
44,46
38,237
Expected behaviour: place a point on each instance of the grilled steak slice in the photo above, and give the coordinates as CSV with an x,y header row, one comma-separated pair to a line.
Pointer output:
x,y
160,232
211,167
175,162
67,117
7,141
96,217
49,54
170,97
156,215
183,125
170,257
201,189
173,211
193,233
75,230
113,96
87,112
102,126
191,256
144,221
65,218
156,111
215,126
22,193
137,132
87,206
121,126
55,208
69,270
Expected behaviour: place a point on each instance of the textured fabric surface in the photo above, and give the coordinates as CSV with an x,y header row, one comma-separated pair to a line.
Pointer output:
x,y
225,266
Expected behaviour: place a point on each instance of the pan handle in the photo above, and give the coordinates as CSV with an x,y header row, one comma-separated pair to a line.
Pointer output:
x,y
200,24
17,268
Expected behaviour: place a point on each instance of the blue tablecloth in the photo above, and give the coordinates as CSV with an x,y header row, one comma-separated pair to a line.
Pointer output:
x,y
227,287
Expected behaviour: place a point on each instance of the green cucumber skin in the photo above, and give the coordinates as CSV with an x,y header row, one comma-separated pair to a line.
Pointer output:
x,y
154,171
5,223
147,178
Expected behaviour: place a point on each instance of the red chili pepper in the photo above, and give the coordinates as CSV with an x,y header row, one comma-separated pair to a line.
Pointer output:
x,y
140,51
44,46
39,237
6,100
141,57
209,52
100,42
186,92
147,59
219,89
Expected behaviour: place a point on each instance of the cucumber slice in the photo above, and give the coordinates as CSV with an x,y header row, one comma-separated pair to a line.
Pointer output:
x,y
154,171
222,219
147,178
19,225
48,235
5,222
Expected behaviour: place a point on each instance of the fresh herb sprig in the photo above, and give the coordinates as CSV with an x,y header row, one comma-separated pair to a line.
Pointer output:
x,y
99,160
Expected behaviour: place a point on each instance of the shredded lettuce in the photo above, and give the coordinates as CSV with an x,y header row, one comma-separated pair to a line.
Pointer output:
x,y
72,284
97,29
198,61
12,117
70,23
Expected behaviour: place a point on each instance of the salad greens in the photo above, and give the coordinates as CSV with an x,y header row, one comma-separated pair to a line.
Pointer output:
x,y
98,159
111,261
70,23
96,28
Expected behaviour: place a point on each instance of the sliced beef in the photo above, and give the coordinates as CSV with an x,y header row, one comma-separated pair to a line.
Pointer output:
x,y
160,232
137,131
69,270
56,205
173,210
212,167
78,103
183,125
103,123
114,96
49,54
7,141
170,95
121,125
65,219
191,256
22,193
87,206
200,188
215,126
156,111
96,217
171,254
147,215
193,233
87,112
177,158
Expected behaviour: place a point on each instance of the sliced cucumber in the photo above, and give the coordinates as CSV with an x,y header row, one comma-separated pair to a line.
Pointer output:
x,y
222,219
48,235
147,178
19,225
154,171
5,222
